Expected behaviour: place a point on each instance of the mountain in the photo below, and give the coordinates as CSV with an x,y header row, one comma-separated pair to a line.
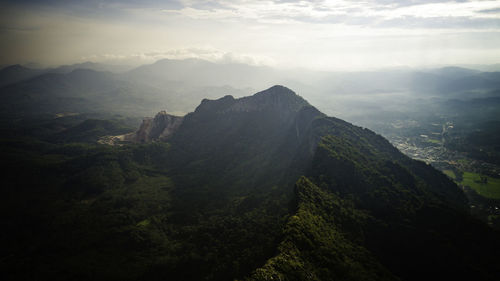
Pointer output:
x,y
361,211
178,85
16,73
203,73
263,187
480,81
455,72
252,139
96,92
80,91
89,65
159,128
443,82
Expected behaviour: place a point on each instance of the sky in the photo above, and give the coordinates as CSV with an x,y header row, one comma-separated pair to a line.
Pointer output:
x,y
321,35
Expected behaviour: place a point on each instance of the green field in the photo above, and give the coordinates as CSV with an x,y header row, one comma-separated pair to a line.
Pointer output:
x,y
491,189
450,174
433,141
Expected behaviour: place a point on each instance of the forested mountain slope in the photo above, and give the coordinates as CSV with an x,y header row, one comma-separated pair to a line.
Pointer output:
x,y
264,187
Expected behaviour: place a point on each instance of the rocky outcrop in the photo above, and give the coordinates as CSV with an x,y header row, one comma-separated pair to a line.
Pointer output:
x,y
278,98
159,128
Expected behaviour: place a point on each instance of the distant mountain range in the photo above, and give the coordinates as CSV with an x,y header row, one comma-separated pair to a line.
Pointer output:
x,y
177,85
16,73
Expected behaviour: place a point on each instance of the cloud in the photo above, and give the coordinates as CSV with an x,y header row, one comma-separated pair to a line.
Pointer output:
x,y
407,3
207,53
440,23
286,33
490,11
380,13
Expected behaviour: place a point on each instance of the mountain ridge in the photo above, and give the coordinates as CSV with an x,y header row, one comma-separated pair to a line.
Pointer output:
x,y
264,187
244,147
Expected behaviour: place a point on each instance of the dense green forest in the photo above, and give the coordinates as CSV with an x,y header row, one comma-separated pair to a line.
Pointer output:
x,y
258,188
480,140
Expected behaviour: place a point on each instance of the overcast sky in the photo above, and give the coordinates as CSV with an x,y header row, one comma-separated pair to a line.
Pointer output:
x,y
287,33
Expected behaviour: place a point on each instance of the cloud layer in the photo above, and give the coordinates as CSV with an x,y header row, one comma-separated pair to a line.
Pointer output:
x,y
316,34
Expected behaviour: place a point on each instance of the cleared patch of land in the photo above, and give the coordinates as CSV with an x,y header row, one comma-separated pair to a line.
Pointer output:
x,y
435,141
485,186
450,174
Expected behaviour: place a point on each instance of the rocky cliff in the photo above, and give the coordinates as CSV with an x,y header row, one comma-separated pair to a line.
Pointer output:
x,y
161,127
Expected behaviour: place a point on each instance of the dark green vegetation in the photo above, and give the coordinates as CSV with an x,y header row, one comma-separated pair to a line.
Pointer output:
x,y
479,140
260,188
483,193
485,186
456,132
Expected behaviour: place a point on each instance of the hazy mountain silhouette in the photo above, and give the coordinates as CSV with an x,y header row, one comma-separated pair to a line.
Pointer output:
x,y
177,85
91,66
16,73
80,91
199,72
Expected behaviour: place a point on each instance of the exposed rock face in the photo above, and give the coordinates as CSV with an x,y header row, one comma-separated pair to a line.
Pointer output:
x,y
276,110
161,127
278,99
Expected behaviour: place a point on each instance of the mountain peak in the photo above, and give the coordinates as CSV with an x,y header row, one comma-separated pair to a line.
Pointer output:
x,y
277,90
275,98
15,73
278,99
15,67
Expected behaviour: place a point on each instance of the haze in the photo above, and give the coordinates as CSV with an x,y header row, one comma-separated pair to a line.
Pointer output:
x,y
321,35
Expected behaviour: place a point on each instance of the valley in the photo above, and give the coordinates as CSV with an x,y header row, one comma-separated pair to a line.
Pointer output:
x,y
430,142
249,140
95,190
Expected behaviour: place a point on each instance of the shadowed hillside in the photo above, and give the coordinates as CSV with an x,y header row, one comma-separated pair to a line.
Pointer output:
x,y
264,187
